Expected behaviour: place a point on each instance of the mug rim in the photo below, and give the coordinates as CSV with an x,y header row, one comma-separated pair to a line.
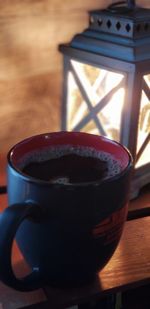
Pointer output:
x,y
40,182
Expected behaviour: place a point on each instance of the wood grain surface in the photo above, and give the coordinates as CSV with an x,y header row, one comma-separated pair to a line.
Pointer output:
x,y
30,64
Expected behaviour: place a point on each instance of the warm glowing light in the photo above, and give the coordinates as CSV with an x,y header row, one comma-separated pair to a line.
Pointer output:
x,y
77,108
96,83
112,111
144,127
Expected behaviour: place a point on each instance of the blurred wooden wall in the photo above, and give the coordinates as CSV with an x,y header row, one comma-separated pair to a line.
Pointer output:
x,y
31,66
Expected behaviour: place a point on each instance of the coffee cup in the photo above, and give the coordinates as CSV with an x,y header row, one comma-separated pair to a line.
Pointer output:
x,y
68,196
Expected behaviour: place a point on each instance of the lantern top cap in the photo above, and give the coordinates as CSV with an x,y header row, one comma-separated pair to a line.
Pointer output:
x,y
122,18
121,31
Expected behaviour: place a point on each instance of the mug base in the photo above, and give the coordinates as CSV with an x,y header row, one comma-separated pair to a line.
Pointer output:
x,y
65,284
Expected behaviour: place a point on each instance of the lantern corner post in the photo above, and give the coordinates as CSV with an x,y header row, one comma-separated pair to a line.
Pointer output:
x,y
64,92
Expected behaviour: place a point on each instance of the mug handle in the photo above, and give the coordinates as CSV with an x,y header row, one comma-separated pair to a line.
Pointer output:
x,y
10,220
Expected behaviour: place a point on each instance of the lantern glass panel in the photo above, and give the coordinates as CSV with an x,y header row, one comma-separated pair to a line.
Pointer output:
x,y
110,115
143,137
76,105
95,100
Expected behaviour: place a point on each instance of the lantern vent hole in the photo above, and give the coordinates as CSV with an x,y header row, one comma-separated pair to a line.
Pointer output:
x,y
146,26
109,23
91,20
128,27
118,26
100,21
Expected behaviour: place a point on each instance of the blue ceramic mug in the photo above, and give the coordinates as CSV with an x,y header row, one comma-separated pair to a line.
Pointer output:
x,y
66,233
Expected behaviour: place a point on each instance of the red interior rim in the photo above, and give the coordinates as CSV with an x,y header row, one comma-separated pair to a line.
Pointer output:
x,y
46,140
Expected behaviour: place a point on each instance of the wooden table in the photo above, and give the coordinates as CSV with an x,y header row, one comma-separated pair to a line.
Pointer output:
x,y
128,268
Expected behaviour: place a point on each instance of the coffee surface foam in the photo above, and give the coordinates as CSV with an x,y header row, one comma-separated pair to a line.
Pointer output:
x,y
53,152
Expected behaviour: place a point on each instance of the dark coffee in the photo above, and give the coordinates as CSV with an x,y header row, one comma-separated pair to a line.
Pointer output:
x,y
70,168
71,165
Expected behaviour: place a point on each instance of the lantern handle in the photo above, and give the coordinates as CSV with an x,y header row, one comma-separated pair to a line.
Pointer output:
x,y
131,4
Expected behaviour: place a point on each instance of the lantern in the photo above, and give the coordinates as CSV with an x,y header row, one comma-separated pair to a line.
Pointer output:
x,y
106,82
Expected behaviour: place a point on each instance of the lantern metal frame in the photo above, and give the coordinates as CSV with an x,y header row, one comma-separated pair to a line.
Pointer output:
x,y
118,40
